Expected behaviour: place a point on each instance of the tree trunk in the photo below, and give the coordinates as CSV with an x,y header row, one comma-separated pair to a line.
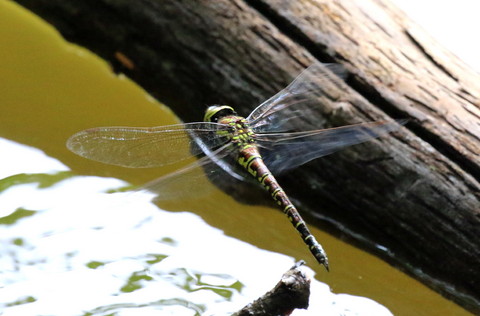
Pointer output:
x,y
416,193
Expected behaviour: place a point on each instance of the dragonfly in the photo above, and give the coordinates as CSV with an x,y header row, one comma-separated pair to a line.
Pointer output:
x,y
280,134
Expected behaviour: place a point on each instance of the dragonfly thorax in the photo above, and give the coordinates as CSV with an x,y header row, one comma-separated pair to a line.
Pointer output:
x,y
240,133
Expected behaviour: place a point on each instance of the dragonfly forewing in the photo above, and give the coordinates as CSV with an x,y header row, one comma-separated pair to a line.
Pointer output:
x,y
146,147
298,102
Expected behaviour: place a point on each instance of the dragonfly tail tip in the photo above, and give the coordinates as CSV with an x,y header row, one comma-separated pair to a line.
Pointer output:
x,y
324,261
326,266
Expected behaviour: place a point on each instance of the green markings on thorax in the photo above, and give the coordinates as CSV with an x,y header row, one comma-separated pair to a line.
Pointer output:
x,y
244,138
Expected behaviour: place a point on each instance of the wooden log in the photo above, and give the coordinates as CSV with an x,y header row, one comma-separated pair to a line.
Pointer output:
x,y
416,194
290,293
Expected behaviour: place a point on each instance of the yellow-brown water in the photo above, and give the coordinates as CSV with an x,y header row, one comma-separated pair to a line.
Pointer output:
x,y
50,89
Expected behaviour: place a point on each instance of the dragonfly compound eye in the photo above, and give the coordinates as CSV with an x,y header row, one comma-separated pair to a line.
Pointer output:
x,y
216,112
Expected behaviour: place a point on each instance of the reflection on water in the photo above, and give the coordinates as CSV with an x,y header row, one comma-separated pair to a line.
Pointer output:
x,y
63,243
69,248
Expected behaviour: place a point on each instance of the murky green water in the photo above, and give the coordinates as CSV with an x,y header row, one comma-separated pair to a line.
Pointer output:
x,y
69,248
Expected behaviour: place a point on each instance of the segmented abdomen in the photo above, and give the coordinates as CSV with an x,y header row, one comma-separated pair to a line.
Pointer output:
x,y
251,160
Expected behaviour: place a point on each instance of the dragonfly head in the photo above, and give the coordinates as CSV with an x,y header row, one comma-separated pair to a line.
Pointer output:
x,y
216,112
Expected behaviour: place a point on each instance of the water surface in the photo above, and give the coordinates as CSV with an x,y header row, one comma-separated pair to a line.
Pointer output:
x,y
65,239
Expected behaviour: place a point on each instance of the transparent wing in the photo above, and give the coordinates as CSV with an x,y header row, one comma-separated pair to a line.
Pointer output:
x,y
299,101
199,177
145,147
284,151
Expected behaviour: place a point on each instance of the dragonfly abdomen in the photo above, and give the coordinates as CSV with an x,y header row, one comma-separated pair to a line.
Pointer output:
x,y
251,160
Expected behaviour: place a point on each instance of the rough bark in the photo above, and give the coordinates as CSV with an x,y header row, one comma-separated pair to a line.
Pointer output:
x,y
290,293
416,193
